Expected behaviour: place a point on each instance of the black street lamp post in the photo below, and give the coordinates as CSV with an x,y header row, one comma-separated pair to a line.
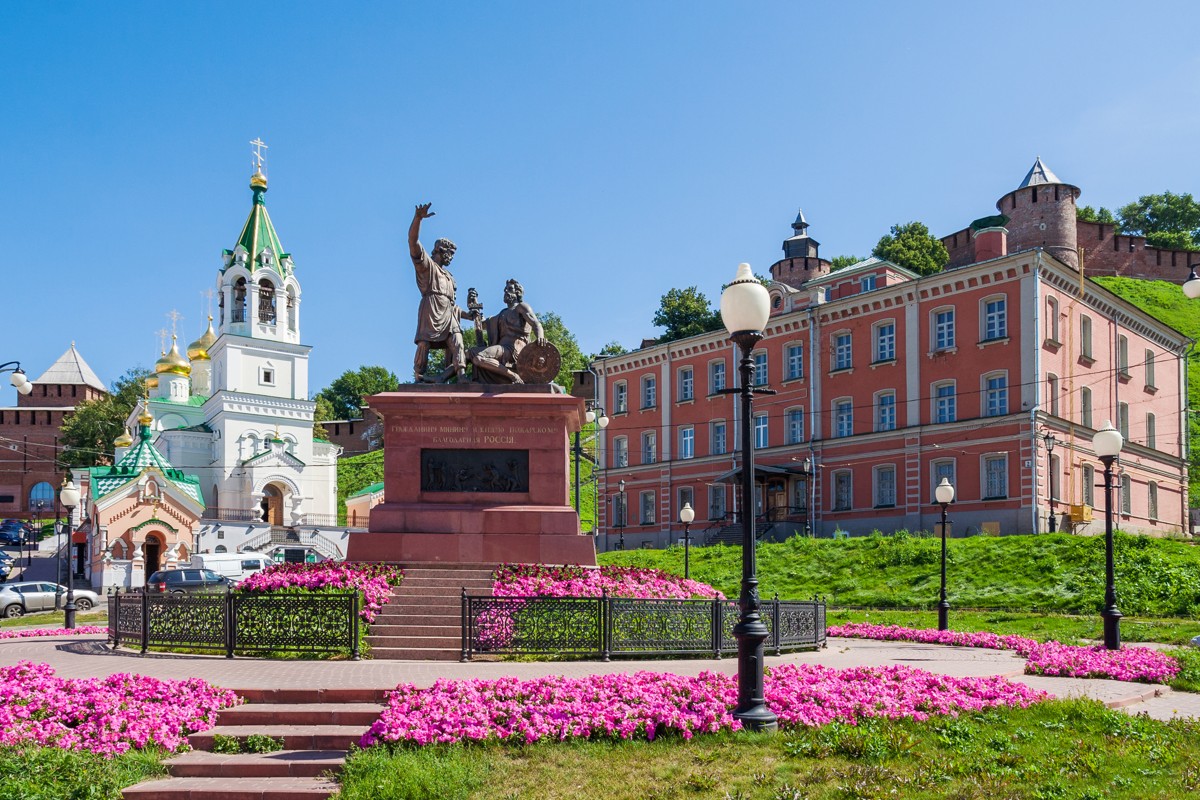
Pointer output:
x,y
1107,442
38,506
686,515
622,511
745,307
69,495
944,494
1050,441
602,423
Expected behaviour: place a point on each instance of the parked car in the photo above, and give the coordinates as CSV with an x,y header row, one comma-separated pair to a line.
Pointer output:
x,y
13,532
234,566
187,581
23,597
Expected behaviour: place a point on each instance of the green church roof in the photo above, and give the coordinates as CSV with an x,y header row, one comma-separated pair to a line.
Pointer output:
x,y
372,489
258,234
142,456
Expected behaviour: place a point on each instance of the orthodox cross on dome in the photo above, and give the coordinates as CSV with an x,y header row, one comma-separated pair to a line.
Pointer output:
x,y
163,333
174,316
259,145
209,294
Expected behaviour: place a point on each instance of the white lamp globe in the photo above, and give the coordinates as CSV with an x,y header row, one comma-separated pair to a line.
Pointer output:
x,y
1108,441
603,421
69,494
944,493
1191,287
590,416
745,303
20,382
687,514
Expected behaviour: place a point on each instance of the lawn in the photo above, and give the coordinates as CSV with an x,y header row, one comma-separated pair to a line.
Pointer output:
x,y
1052,573
1074,750
48,773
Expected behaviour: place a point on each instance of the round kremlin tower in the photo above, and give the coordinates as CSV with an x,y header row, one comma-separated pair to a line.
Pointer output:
x,y
1041,213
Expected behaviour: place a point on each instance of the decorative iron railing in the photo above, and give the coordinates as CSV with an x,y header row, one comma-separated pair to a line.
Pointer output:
x,y
233,514
613,627
320,520
242,622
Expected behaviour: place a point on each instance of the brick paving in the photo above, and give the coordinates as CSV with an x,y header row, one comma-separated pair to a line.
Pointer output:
x,y
88,656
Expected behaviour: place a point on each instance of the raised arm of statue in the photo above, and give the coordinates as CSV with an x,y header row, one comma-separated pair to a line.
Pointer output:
x,y
539,334
414,230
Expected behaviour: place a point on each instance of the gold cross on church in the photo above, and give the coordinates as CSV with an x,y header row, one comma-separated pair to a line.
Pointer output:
x,y
174,316
259,145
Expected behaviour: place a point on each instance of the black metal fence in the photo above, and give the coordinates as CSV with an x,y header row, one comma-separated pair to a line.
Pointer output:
x,y
612,627
242,622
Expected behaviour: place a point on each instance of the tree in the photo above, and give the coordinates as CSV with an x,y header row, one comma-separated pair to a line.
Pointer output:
x,y
841,262
87,435
1089,214
685,312
568,347
346,393
913,247
1167,220
613,348
323,413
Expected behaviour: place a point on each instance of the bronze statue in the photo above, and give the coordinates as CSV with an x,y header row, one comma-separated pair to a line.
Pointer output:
x,y
438,315
508,333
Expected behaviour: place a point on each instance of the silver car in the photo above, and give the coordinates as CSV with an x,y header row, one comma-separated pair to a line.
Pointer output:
x,y
21,598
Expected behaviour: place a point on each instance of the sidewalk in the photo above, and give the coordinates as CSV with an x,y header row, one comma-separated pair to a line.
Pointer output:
x,y
90,656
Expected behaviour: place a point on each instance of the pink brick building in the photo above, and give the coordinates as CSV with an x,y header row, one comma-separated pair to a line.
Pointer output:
x,y
888,381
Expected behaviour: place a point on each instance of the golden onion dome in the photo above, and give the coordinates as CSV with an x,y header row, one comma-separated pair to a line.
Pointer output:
x,y
145,419
198,350
152,382
124,440
173,362
258,180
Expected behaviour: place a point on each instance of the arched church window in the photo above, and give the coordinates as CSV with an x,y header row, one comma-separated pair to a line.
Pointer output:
x,y
291,309
239,300
118,549
221,308
266,302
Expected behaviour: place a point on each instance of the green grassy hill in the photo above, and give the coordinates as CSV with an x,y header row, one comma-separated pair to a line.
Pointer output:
x,y
1166,302
1051,572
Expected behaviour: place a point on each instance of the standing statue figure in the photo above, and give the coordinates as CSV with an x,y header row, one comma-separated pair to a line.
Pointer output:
x,y
507,334
438,314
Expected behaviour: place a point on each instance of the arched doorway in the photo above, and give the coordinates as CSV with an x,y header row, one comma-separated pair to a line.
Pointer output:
x,y
272,504
152,554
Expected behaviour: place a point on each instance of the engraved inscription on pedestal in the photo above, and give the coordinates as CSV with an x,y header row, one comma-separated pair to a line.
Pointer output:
x,y
474,470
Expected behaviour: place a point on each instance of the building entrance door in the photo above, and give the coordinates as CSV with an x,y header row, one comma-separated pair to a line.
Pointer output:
x,y
272,504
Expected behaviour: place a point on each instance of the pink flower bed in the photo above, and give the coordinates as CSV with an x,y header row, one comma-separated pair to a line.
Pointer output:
x,y
373,581
31,633
107,716
535,580
650,704
1043,658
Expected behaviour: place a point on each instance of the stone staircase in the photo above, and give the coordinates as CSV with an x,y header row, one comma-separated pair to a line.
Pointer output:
x,y
423,619
317,727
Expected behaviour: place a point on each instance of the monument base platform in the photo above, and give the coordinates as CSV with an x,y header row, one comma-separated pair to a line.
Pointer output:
x,y
475,474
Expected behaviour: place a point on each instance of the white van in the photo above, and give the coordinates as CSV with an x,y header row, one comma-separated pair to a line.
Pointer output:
x,y
234,566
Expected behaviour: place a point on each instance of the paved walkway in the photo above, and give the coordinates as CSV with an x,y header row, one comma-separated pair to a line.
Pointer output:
x,y
90,656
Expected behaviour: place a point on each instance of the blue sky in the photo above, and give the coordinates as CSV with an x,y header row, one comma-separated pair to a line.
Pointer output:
x,y
601,153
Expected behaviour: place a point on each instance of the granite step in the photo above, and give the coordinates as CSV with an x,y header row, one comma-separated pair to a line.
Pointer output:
x,y
232,789
415,654
290,696
399,606
295,737
437,628
363,714
456,581
280,764
420,642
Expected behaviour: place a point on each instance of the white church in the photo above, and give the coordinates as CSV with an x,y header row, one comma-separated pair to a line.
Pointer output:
x,y
234,411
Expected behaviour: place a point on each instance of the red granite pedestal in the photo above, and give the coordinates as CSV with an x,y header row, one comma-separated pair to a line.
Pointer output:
x,y
475,475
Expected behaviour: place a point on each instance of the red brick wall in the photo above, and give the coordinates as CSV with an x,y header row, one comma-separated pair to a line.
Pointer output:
x,y
1128,256
795,271
27,453
1042,216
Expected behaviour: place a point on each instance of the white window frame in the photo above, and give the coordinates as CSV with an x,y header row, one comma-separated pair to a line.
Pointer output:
x,y
762,431
1052,390
1085,337
649,393
687,442
1088,473
1152,500
1123,419
885,413
621,397
649,447
993,320
885,342
620,452
1052,320
995,485
1151,430
1123,355
843,351
885,485
939,468
715,426
843,417
1126,494
760,378
793,361
647,512
685,494
266,375
687,384
995,398
717,506
942,332
842,500
794,425
1148,360
716,376
945,404
1085,407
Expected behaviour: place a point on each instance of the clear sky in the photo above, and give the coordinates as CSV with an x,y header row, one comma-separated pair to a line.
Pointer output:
x,y
601,153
